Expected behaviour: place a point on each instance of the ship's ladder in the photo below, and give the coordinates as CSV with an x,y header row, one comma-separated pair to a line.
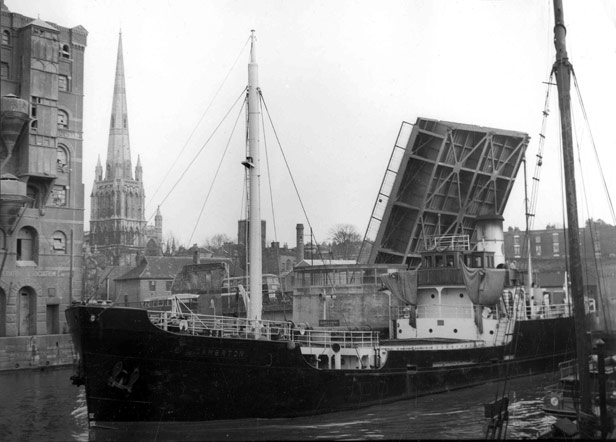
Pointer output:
x,y
507,323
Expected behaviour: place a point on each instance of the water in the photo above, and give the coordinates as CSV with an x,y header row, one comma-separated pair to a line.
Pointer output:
x,y
45,406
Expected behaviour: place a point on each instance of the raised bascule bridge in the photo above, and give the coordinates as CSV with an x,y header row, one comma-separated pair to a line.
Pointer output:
x,y
441,178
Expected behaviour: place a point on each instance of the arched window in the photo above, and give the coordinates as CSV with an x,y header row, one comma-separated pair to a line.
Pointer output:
x,y
59,243
62,119
6,37
62,159
66,51
26,245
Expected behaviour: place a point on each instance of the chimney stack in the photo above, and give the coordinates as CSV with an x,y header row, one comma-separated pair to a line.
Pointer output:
x,y
300,242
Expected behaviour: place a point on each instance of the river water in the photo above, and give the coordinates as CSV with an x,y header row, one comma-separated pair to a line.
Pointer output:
x,y
45,406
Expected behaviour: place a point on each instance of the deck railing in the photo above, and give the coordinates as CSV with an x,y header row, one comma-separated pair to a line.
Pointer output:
x,y
328,338
222,326
229,327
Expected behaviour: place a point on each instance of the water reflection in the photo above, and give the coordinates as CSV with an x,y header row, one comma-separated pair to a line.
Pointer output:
x,y
43,405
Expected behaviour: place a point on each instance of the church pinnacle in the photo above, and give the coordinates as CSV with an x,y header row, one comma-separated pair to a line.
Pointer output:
x,y
118,150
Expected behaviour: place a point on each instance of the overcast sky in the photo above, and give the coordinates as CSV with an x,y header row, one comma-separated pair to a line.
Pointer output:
x,y
339,78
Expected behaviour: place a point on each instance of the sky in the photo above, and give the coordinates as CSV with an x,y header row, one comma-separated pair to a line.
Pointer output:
x,y
338,78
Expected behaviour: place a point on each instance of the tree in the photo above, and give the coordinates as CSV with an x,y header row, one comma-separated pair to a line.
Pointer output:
x,y
215,242
342,233
345,240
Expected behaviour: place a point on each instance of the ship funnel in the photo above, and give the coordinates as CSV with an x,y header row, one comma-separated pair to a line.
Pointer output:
x,y
490,236
14,115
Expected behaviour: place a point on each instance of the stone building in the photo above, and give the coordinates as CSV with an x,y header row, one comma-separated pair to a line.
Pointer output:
x,y
41,189
549,254
118,228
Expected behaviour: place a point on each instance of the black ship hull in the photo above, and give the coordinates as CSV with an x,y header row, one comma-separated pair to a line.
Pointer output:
x,y
136,372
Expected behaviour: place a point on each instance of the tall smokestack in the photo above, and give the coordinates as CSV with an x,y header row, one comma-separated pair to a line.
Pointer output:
x,y
300,242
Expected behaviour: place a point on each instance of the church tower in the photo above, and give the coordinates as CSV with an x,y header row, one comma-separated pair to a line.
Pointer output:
x,y
117,219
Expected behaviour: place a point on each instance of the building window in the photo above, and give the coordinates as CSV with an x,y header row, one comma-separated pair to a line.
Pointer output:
x,y
59,243
555,244
516,245
62,83
26,243
4,70
168,285
6,37
58,196
152,286
66,51
538,239
538,249
61,159
62,119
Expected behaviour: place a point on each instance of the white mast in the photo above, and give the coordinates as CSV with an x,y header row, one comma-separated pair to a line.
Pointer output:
x,y
252,162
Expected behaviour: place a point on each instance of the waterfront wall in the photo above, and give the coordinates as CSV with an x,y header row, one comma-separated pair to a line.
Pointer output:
x,y
39,351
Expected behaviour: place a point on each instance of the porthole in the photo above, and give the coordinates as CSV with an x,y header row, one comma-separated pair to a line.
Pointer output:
x,y
432,296
491,332
430,330
455,330
461,295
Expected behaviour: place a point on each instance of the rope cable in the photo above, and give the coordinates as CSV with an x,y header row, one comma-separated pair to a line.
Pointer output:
x,y
284,157
197,125
217,171
199,152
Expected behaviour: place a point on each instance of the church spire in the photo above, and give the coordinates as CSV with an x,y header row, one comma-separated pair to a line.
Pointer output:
x,y
139,170
98,172
118,150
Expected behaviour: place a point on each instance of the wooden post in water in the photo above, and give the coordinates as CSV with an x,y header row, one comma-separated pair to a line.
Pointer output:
x,y
562,69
